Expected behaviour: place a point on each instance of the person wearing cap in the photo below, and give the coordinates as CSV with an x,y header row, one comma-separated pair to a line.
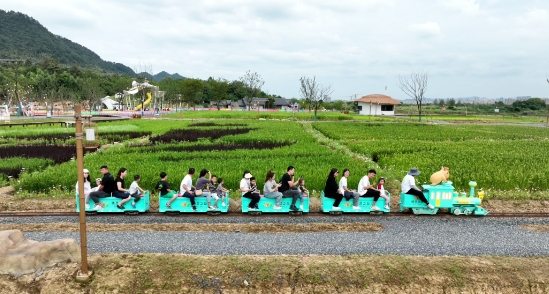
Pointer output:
x,y
87,187
288,187
409,186
246,190
367,189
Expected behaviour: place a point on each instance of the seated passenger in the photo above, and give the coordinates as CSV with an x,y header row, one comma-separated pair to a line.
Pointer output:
x,y
409,187
202,185
120,191
187,189
135,191
213,192
303,192
87,187
164,188
365,189
221,192
107,187
289,188
347,193
382,193
331,189
245,188
270,190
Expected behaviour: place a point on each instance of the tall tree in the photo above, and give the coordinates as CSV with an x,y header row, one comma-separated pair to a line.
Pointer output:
x,y
415,86
218,90
314,92
253,83
193,91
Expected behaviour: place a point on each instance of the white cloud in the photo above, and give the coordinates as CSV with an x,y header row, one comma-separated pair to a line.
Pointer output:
x,y
464,6
426,30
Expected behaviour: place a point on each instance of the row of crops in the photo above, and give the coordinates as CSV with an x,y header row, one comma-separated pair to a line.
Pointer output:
x,y
224,147
497,156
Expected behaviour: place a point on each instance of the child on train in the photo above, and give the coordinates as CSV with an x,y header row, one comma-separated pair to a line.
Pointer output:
x,y
302,191
213,192
221,192
165,191
135,191
382,193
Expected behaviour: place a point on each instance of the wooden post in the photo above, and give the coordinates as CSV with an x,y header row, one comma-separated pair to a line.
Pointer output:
x,y
83,275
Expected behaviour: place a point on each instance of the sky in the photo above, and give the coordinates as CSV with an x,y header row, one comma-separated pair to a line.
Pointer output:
x,y
485,48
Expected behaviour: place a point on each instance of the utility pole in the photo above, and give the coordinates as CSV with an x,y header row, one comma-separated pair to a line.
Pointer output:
x,y
84,274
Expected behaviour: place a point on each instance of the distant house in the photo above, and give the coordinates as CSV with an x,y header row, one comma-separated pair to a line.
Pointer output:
x,y
376,104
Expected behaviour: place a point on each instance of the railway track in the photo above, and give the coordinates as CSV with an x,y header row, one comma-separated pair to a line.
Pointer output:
x,y
239,215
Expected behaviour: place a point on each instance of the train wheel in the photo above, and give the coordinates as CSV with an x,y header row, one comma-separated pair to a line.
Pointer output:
x,y
296,213
255,213
131,212
214,213
336,212
457,211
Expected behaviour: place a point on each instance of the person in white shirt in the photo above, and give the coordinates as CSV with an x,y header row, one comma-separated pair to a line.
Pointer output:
x,y
348,194
87,187
365,189
187,189
408,186
247,191
135,191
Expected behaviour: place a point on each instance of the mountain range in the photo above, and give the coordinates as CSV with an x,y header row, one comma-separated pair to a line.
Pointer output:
x,y
24,38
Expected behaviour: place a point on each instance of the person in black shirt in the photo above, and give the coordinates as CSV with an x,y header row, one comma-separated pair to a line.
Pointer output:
x,y
165,190
288,187
331,190
106,188
120,191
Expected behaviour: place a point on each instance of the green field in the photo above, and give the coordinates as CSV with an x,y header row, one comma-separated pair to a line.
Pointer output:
x,y
497,157
500,158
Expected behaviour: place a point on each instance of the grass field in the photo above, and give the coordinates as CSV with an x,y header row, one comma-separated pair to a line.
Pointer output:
x,y
499,158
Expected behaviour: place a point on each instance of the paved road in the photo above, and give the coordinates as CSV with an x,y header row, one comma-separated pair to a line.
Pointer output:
x,y
402,235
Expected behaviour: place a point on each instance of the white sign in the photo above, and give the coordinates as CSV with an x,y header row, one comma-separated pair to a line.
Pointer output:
x,y
496,110
90,134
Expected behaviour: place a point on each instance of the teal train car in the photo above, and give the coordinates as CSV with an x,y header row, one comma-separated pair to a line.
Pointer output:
x,y
109,205
183,205
346,206
266,205
444,196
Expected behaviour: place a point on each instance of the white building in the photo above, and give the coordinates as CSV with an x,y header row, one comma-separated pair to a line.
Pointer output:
x,y
377,104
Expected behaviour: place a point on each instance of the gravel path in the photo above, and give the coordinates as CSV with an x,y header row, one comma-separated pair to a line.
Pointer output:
x,y
407,236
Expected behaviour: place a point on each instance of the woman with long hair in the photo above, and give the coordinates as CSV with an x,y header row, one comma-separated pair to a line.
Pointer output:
x,y
331,190
270,189
120,191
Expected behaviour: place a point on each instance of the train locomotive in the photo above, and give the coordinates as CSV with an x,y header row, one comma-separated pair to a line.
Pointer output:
x,y
444,196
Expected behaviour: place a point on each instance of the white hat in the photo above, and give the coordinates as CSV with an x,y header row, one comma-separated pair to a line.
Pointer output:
x,y
247,175
86,171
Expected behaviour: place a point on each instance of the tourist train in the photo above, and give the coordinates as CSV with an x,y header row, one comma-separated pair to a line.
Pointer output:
x,y
441,196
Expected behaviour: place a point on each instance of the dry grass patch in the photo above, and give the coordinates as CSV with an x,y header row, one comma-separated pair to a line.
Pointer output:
x,y
536,228
244,228
174,273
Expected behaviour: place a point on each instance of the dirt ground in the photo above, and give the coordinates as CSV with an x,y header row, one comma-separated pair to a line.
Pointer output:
x,y
244,228
8,203
176,273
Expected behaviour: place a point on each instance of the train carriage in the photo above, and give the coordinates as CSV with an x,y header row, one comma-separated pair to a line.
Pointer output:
x,y
346,206
110,203
183,204
266,205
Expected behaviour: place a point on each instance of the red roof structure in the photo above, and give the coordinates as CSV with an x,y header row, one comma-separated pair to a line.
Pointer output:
x,y
378,99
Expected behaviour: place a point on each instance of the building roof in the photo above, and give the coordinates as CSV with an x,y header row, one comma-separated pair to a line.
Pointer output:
x,y
378,99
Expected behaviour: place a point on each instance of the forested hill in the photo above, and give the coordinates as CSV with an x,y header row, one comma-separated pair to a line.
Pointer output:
x,y
22,37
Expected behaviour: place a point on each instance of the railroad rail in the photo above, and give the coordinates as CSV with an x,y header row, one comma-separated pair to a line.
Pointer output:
x,y
305,215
